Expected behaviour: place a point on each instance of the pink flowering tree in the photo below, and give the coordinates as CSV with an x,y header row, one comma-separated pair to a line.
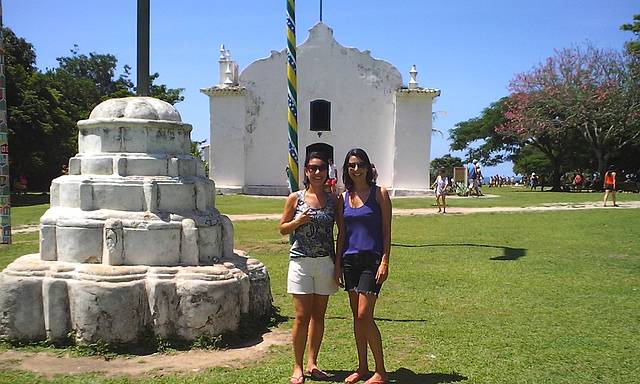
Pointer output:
x,y
580,99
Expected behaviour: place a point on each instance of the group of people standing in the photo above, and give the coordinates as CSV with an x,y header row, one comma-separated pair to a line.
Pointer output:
x,y
358,261
474,178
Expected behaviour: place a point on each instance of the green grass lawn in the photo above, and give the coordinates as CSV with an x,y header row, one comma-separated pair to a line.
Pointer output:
x,y
500,197
547,297
243,204
29,214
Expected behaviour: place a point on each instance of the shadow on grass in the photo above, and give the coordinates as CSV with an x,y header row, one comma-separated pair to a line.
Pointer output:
x,y
508,253
405,376
375,318
28,199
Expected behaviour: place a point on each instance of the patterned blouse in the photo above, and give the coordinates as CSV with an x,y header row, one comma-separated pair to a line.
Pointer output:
x,y
315,238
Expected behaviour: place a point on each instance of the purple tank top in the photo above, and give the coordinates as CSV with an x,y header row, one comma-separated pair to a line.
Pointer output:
x,y
363,225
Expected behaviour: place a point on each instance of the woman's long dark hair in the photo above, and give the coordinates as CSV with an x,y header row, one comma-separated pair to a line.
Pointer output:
x,y
362,155
311,156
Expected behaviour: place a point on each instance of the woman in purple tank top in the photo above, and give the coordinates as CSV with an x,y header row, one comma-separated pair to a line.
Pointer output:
x,y
363,216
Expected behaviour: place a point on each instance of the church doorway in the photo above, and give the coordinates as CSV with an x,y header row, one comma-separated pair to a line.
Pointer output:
x,y
324,148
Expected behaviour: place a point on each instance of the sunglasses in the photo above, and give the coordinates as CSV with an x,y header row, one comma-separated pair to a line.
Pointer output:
x,y
359,164
316,168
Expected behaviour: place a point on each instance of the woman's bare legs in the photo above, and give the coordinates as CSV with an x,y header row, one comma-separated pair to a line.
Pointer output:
x,y
358,331
366,332
316,329
303,306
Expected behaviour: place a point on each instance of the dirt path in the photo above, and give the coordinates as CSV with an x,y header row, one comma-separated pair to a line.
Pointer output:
x,y
48,364
464,211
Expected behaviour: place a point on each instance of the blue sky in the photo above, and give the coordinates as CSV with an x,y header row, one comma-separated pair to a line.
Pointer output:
x,y
470,49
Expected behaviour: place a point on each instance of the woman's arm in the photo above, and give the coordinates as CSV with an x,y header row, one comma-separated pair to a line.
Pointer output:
x,y
340,241
385,207
288,223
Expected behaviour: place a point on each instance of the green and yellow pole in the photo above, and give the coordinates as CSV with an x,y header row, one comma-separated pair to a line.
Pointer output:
x,y
5,185
292,97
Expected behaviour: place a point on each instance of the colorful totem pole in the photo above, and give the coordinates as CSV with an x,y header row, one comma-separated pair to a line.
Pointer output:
x,y
292,97
5,185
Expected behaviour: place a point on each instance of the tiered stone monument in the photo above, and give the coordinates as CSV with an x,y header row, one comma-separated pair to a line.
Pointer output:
x,y
132,242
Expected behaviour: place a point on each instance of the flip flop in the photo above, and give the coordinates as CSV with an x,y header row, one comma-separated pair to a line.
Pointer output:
x,y
296,380
376,381
354,378
318,375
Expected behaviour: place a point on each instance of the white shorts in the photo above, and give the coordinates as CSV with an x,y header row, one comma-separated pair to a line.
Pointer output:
x,y
309,275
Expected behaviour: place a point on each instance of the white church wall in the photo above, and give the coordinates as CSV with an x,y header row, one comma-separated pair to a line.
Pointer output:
x,y
412,141
266,123
359,88
249,121
227,149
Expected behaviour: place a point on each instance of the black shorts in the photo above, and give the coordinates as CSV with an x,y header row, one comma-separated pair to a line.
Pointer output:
x,y
608,187
359,272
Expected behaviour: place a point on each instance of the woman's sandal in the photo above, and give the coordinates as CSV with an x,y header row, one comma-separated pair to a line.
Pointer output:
x,y
318,375
296,380
376,381
354,377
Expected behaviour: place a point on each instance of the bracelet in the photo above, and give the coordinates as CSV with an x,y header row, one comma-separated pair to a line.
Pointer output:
x,y
384,263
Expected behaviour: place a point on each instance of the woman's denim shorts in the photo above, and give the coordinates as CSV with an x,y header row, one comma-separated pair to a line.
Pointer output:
x,y
359,270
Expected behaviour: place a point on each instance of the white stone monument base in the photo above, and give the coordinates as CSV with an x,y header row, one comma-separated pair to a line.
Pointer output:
x,y
120,304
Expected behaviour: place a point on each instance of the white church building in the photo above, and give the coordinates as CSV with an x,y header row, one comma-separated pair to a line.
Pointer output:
x,y
346,99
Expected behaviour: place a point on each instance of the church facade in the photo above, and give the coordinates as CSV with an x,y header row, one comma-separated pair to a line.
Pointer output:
x,y
346,99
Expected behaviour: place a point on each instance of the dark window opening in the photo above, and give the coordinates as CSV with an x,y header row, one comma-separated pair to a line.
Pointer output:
x,y
320,115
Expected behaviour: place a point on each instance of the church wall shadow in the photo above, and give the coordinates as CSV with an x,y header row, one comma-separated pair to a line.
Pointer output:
x,y
508,253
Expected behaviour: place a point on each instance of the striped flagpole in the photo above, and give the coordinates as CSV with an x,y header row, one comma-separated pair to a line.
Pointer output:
x,y
292,97
5,185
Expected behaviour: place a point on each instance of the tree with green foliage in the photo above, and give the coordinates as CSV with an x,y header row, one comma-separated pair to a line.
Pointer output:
x,y
446,162
580,96
631,161
44,107
479,138
530,159
633,46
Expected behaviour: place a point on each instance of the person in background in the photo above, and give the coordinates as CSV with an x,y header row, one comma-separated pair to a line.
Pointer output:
x,y
533,181
610,186
471,176
578,182
478,183
333,178
441,186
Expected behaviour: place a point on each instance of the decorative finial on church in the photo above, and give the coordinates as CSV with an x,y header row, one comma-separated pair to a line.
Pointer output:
x,y
227,69
228,75
413,83
222,51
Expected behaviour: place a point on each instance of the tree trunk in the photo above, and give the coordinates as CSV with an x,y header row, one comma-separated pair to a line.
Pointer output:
x,y
555,176
602,165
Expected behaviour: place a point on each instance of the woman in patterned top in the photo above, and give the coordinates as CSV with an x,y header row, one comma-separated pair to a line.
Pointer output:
x,y
309,216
